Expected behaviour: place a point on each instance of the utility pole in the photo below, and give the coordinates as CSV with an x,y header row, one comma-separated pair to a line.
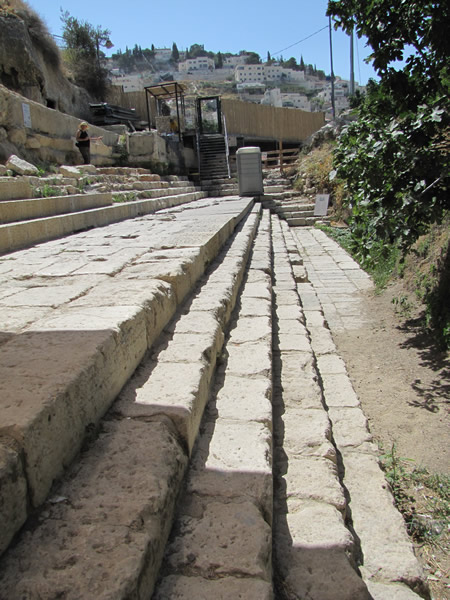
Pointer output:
x,y
333,107
352,69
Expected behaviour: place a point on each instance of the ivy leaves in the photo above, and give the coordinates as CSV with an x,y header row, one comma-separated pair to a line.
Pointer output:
x,y
395,158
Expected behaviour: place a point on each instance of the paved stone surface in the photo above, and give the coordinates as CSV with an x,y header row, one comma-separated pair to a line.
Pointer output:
x,y
243,379
223,529
386,554
62,369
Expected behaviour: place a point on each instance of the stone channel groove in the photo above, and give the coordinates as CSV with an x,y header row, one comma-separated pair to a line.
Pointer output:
x,y
198,435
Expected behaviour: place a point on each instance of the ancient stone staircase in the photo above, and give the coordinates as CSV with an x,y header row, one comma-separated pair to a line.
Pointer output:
x,y
282,199
79,198
176,422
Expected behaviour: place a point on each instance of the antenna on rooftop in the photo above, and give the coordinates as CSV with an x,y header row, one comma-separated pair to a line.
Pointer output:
x,y
333,108
352,68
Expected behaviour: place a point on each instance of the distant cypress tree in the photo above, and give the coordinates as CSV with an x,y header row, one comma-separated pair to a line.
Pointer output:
x,y
175,53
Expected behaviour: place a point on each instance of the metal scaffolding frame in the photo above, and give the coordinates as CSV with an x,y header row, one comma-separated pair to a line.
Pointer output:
x,y
165,91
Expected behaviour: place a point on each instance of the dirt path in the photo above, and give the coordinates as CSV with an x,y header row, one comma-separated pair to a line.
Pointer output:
x,y
402,382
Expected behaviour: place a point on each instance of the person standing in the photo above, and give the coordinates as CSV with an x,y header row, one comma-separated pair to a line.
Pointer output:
x,y
83,142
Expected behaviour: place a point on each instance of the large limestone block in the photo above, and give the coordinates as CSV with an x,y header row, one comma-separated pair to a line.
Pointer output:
x,y
321,341
313,553
112,519
245,399
180,273
387,550
13,492
249,359
382,591
338,390
251,329
313,478
20,166
218,298
68,369
14,189
156,297
179,587
177,390
350,427
307,432
227,540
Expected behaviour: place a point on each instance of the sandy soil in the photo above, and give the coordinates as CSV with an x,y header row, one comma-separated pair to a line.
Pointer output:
x,y
402,380
403,383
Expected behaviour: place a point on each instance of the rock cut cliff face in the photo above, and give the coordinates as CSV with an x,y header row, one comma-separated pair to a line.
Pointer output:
x,y
30,63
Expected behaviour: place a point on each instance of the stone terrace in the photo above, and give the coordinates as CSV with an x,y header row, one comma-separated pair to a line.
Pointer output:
x,y
176,421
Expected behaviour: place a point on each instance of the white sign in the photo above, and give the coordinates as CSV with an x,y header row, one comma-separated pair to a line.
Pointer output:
x,y
321,207
26,115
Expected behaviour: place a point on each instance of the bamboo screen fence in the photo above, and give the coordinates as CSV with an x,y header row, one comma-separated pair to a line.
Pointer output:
x,y
257,120
243,118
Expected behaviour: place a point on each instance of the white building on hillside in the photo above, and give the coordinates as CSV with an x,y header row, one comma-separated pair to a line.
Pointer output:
x,y
132,83
201,63
260,73
274,97
233,61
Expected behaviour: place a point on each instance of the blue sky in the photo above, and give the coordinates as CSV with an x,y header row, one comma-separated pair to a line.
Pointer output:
x,y
258,26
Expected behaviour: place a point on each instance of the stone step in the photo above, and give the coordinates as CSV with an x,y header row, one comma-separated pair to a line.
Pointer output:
x,y
221,545
27,233
110,530
378,548
23,210
101,533
306,221
14,188
100,308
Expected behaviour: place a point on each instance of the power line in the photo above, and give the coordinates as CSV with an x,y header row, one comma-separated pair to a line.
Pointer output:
x,y
300,41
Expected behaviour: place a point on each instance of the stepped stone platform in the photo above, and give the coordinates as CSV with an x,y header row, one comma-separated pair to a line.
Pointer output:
x,y
176,421
109,195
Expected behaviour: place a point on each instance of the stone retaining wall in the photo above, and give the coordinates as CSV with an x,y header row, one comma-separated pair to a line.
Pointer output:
x,y
40,134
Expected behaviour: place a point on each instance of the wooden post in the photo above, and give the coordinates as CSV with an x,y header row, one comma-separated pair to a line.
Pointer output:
x,y
280,150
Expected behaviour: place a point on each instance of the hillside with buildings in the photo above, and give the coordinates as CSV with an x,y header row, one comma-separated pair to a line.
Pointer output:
x,y
277,83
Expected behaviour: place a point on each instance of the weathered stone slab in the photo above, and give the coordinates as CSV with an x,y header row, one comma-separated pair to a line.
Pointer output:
x,y
68,369
178,391
339,391
156,297
314,318
292,326
14,189
331,364
308,433
13,491
286,297
245,399
293,342
226,451
387,550
228,540
383,591
314,478
350,427
249,359
20,166
313,551
251,329
179,587
321,341
254,307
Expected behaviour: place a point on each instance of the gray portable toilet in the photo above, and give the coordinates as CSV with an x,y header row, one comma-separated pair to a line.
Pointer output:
x,y
249,171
